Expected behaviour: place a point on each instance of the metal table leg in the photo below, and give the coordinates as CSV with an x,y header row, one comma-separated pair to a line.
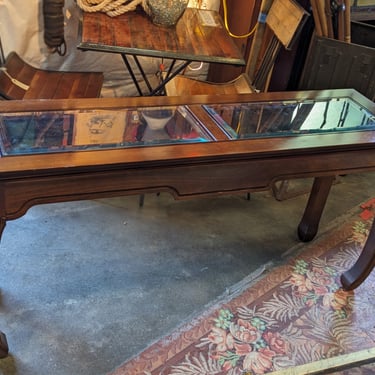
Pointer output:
x,y
130,70
168,77
164,80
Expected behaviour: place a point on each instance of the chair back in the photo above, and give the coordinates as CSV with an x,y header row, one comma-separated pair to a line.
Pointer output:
x,y
285,19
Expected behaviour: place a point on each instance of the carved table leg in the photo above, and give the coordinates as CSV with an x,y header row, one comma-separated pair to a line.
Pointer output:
x,y
3,345
4,349
352,278
308,227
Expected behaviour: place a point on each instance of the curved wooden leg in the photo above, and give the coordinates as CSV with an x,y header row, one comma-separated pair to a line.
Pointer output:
x,y
4,349
2,226
309,224
355,276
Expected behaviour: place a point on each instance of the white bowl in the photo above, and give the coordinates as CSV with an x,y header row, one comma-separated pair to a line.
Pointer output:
x,y
157,118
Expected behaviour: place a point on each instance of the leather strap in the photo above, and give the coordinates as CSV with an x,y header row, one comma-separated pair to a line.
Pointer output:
x,y
54,25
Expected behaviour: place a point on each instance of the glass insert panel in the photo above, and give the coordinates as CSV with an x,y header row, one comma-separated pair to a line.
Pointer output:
x,y
45,132
248,120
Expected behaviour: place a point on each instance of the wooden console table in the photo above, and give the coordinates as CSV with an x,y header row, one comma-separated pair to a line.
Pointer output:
x,y
66,150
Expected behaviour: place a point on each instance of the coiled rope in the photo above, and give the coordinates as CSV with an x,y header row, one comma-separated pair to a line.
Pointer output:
x,y
112,8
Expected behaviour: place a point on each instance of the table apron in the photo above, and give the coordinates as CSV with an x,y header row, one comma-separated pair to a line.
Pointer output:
x,y
19,193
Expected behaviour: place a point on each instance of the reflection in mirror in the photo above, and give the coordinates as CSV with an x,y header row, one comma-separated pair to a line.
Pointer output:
x,y
247,120
46,132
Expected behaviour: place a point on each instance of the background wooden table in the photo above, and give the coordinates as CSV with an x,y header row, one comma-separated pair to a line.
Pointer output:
x,y
133,33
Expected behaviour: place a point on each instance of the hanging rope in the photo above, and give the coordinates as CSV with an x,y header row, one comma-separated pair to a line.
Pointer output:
x,y
54,25
112,8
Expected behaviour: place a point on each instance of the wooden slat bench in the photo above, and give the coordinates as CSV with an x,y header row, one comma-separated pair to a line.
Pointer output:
x,y
19,80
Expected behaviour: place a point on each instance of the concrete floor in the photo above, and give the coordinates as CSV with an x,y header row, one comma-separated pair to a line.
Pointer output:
x,y
87,285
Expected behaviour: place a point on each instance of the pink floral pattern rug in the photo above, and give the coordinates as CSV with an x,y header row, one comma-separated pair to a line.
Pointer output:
x,y
295,314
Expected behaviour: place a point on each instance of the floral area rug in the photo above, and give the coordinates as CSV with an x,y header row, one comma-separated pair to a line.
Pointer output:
x,y
295,314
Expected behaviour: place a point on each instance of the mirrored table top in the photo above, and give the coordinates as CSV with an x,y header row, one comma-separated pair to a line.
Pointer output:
x,y
49,131
249,120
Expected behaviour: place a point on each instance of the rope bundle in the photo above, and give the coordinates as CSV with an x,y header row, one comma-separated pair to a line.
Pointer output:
x,y
112,8
54,25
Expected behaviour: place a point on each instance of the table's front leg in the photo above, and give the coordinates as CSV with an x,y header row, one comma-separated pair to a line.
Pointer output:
x,y
132,75
352,278
4,349
308,227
